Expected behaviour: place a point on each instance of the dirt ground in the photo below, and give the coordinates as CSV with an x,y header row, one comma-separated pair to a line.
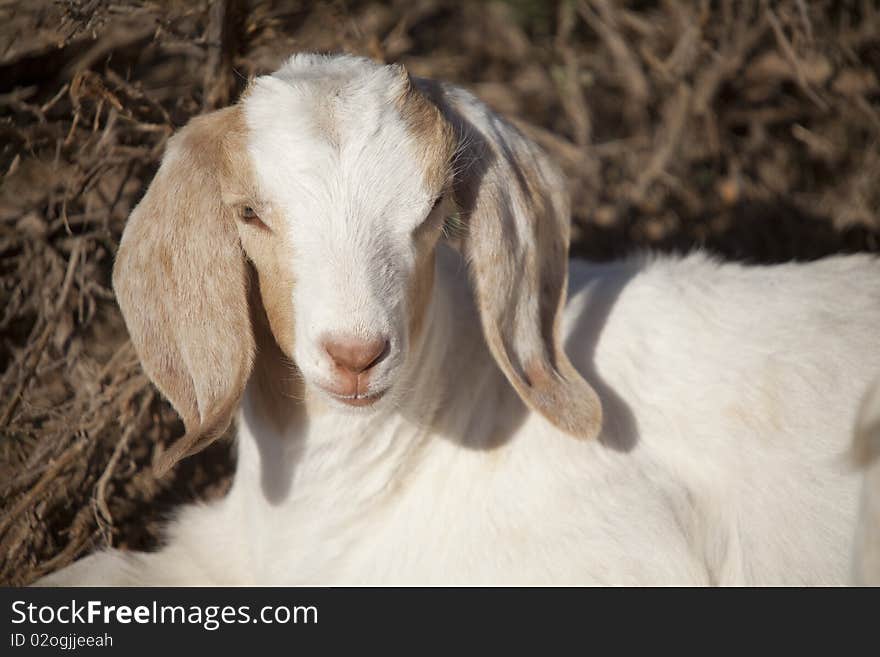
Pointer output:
x,y
749,128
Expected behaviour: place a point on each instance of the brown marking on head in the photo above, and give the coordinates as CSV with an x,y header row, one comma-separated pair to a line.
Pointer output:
x,y
277,382
264,242
421,286
267,248
436,144
182,281
276,289
422,282
432,133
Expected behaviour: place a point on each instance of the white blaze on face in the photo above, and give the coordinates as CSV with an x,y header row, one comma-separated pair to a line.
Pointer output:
x,y
335,163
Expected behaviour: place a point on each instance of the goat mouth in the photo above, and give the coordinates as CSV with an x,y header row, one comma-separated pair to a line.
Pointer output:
x,y
360,400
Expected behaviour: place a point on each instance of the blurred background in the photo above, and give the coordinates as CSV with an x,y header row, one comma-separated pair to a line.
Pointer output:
x,y
747,128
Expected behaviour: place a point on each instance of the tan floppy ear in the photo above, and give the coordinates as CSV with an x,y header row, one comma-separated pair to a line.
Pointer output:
x,y
181,281
515,211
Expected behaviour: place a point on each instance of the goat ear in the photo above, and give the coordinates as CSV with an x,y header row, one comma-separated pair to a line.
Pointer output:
x,y
514,206
181,281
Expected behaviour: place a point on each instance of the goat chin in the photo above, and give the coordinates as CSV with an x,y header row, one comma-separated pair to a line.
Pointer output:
x,y
729,395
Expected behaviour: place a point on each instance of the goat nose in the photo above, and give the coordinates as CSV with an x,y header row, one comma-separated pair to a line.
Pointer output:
x,y
354,354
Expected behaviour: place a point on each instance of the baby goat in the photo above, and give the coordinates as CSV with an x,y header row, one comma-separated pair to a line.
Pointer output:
x,y
407,409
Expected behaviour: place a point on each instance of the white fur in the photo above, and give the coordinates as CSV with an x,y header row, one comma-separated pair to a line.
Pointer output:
x,y
729,395
866,564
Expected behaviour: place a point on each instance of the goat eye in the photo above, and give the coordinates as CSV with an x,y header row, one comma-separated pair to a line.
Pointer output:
x,y
249,217
436,202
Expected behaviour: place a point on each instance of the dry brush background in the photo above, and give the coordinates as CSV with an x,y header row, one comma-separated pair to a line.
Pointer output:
x,y
750,128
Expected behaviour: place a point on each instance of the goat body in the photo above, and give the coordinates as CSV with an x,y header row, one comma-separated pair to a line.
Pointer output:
x,y
729,394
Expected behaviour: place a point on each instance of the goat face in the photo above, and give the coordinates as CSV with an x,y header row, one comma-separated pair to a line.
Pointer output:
x,y
351,166
331,180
